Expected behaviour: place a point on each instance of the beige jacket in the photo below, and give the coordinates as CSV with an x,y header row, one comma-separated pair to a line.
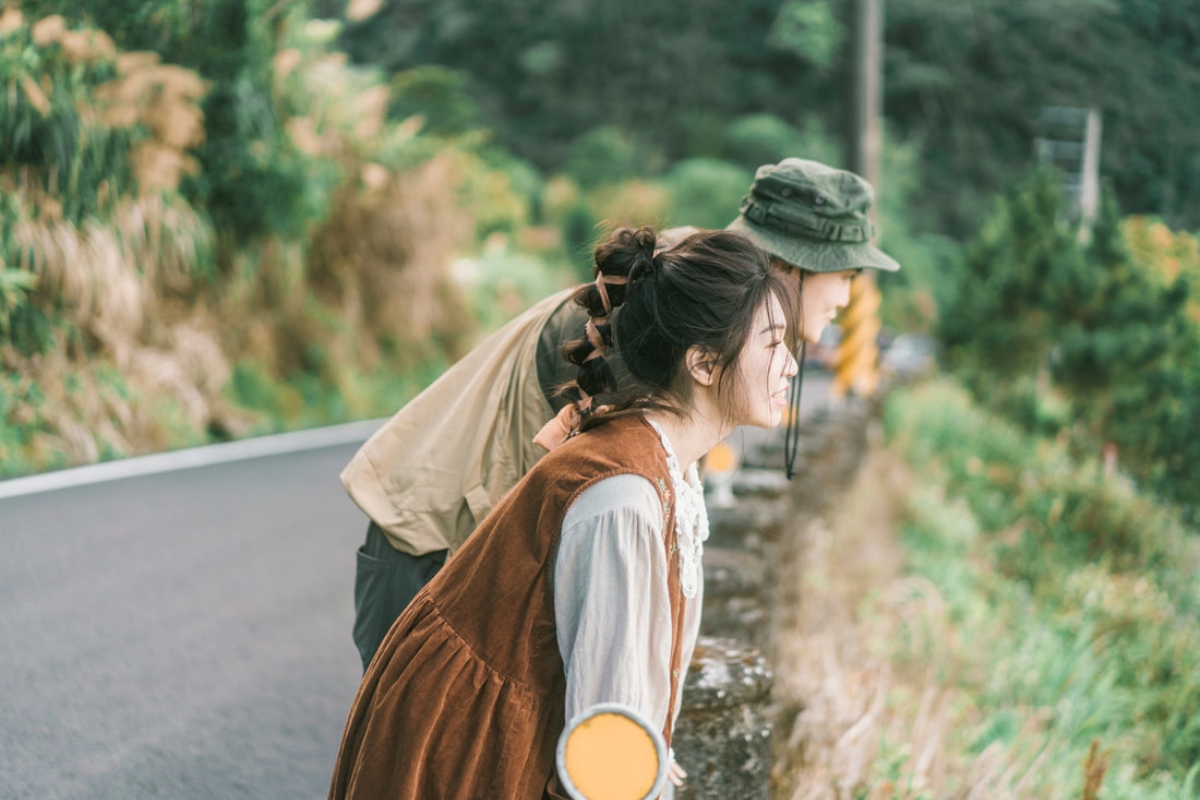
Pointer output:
x,y
436,468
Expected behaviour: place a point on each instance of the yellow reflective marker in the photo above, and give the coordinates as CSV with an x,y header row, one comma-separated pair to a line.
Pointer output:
x,y
610,753
721,458
720,465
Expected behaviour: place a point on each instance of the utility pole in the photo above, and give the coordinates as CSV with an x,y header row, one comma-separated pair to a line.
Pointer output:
x,y
1069,139
858,353
866,126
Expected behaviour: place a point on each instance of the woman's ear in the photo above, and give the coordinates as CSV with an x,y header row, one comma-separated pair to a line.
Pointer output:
x,y
702,365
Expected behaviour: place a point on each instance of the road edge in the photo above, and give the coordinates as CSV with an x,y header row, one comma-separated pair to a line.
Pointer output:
x,y
187,458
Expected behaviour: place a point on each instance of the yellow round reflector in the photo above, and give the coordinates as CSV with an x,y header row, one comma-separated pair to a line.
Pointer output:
x,y
609,754
721,458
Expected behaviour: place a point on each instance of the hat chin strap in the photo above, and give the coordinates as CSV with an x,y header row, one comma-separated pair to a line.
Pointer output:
x,y
791,436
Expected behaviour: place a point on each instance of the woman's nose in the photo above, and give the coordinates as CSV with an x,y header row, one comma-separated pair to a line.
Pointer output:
x,y
844,298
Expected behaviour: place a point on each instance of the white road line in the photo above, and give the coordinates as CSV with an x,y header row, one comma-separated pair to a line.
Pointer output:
x,y
258,447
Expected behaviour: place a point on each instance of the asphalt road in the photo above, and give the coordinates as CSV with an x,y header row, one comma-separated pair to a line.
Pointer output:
x,y
181,635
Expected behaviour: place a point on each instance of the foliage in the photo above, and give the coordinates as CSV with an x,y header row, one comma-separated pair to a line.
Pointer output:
x,y
706,192
965,81
138,291
583,217
1040,321
98,245
970,79
15,284
808,29
604,155
252,181
928,261
50,72
439,95
549,72
1067,598
1166,254
502,282
759,139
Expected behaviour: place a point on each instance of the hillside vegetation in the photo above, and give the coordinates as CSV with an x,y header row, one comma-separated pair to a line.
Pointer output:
x,y
1061,607
181,263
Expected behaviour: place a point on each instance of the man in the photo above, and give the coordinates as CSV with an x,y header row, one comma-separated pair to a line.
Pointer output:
x,y
434,471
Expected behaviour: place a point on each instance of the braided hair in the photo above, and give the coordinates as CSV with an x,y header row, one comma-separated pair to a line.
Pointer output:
x,y
656,305
622,259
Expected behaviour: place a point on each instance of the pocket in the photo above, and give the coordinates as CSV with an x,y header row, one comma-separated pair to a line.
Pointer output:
x,y
385,582
373,615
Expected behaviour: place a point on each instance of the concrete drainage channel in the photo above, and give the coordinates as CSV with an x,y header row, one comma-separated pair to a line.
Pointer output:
x,y
724,737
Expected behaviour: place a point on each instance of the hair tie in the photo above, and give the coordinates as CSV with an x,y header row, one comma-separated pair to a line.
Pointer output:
x,y
601,279
566,422
599,347
639,271
560,428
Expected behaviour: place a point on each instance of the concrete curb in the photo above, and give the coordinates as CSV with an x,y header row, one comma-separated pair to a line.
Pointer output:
x,y
241,450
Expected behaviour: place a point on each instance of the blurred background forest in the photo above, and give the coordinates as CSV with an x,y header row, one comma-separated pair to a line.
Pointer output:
x,y
222,218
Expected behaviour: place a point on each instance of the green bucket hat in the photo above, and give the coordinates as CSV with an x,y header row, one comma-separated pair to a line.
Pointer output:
x,y
812,216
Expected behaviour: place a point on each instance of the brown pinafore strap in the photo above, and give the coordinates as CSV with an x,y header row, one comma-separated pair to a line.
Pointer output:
x,y
678,606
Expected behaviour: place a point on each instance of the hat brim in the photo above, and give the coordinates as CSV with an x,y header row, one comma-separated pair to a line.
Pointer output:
x,y
815,256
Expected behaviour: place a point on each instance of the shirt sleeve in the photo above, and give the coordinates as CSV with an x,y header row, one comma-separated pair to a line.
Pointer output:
x,y
612,608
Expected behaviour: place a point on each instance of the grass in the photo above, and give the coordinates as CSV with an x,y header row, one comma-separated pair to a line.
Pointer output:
x,y
1033,634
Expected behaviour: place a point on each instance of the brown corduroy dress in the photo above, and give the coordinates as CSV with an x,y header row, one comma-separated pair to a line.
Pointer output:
x,y
465,698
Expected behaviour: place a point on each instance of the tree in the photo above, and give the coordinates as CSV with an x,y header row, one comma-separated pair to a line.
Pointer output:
x,y
1111,332
969,79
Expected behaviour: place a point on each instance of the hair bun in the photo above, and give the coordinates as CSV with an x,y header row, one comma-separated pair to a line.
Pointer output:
x,y
646,239
644,243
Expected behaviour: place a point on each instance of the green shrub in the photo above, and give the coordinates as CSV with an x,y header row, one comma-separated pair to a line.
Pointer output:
x,y
604,155
45,124
706,192
809,30
1076,590
761,139
15,285
929,262
503,283
439,95
1036,313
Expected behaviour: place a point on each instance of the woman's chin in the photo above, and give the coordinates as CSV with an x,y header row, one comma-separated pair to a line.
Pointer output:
x,y
773,420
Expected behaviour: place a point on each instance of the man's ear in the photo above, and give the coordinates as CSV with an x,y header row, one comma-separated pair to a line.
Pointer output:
x,y
702,365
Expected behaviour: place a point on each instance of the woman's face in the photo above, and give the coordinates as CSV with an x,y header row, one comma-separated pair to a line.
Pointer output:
x,y
765,368
822,296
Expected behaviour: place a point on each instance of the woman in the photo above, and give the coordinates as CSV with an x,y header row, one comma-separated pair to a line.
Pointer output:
x,y
584,583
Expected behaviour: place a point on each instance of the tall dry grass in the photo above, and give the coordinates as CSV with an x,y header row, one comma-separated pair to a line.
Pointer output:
x,y
867,676
151,313
382,258
125,286
120,279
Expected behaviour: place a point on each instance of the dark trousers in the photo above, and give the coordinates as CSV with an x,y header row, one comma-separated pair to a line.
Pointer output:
x,y
384,583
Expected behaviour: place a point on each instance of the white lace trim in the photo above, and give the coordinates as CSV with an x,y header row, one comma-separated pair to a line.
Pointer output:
x,y
691,518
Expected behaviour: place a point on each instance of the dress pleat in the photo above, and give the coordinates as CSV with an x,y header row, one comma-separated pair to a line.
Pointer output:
x,y
442,716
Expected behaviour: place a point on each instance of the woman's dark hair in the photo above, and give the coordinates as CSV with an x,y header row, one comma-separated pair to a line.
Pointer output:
x,y
703,292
